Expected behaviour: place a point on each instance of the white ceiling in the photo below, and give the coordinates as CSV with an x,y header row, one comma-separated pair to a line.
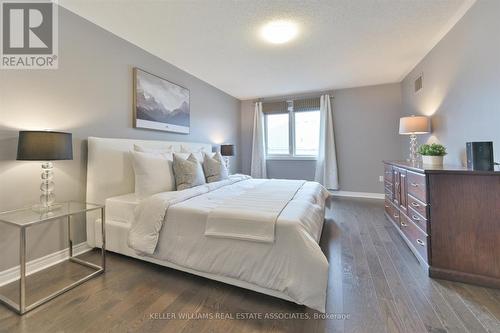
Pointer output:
x,y
341,44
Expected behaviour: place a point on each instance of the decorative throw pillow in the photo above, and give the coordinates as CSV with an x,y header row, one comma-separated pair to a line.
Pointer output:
x,y
215,168
153,173
188,172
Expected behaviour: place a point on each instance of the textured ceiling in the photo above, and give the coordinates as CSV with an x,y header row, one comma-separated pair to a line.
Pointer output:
x,y
341,44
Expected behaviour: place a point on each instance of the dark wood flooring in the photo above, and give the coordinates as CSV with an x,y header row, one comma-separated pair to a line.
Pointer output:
x,y
375,285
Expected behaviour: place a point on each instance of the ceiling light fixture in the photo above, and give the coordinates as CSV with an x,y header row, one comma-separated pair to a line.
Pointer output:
x,y
279,31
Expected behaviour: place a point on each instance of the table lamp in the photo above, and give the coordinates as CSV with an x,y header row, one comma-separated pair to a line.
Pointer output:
x,y
45,146
226,151
412,126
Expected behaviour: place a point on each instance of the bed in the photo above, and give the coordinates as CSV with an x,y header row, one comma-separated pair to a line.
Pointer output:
x,y
290,266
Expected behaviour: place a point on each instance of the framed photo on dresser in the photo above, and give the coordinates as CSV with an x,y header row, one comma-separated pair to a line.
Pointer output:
x,y
160,104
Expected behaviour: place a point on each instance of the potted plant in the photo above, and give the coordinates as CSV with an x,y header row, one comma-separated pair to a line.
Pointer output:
x,y
432,154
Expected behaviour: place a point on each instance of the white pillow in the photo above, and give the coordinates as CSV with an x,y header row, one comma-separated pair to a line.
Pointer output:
x,y
153,173
159,149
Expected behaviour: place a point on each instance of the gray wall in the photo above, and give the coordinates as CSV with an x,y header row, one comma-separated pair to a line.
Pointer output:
x,y
366,127
89,95
366,132
461,84
246,125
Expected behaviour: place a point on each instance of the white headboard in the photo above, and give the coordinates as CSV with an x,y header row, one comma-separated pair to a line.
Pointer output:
x,y
109,167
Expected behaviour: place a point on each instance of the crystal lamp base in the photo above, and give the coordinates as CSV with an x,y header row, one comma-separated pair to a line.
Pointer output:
x,y
47,185
413,158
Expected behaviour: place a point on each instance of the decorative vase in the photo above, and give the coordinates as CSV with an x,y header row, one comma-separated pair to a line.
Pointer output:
x,y
432,160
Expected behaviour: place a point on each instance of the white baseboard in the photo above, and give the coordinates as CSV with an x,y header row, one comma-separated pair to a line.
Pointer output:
x,y
358,194
12,274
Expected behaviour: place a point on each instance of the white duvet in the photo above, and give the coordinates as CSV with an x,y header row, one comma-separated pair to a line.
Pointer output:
x,y
171,226
252,214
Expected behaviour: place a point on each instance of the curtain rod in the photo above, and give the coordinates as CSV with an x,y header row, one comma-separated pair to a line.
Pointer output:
x,y
287,98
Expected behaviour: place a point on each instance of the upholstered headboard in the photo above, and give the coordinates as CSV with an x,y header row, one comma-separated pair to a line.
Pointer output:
x,y
109,166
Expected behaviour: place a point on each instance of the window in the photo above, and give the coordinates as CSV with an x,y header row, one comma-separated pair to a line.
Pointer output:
x,y
292,134
277,130
306,133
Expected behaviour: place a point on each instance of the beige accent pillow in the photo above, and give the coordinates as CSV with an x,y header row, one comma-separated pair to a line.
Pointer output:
x,y
188,172
215,168
153,173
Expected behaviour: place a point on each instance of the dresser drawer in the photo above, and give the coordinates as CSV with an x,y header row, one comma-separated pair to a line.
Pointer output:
x,y
417,219
415,236
417,205
388,173
417,186
392,212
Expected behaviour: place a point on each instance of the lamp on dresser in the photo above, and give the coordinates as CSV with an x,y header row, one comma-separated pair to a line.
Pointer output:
x,y
226,151
45,146
412,126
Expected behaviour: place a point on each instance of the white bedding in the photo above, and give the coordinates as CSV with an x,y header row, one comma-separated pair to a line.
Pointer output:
x,y
293,265
121,208
252,215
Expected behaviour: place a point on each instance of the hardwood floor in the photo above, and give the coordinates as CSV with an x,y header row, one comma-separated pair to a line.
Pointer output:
x,y
375,285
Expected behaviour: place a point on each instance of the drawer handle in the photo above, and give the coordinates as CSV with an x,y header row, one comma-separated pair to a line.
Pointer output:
x,y
415,217
414,184
420,242
414,204
404,224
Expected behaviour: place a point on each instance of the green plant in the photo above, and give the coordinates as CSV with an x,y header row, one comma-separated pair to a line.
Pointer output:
x,y
434,149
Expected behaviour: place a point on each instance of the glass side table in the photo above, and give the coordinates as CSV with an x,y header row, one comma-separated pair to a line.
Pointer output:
x,y
25,218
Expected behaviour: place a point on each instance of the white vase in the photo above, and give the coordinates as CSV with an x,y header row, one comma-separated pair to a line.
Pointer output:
x,y
432,160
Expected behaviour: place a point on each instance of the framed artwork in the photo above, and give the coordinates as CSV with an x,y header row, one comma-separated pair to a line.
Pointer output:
x,y
160,104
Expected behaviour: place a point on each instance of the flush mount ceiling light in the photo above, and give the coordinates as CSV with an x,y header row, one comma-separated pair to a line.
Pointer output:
x,y
279,31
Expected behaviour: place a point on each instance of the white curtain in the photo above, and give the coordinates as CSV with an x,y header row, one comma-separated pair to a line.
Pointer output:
x,y
326,163
258,167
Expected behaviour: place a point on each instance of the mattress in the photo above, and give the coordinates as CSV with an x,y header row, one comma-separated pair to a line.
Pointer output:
x,y
121,208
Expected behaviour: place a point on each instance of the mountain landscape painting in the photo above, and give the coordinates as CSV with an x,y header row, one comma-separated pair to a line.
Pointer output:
x,y
160,104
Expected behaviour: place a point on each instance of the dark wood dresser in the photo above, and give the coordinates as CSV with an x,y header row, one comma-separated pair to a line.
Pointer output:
x,y
450,219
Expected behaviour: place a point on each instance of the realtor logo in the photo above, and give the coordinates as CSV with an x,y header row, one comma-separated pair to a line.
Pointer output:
x,y
29,35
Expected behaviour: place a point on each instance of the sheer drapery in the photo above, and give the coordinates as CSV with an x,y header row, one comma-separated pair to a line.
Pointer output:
x,y
326,163
258,166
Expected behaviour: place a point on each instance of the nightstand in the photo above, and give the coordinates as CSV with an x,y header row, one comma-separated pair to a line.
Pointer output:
x,y
22,219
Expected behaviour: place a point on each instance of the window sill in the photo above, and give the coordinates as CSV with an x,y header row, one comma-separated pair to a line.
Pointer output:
x,y
291,158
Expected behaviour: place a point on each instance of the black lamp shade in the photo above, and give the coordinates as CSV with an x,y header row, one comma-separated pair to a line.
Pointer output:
x,y
227,150
44,146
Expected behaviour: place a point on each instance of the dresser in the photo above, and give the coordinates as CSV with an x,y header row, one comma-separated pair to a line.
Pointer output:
x,y
449,217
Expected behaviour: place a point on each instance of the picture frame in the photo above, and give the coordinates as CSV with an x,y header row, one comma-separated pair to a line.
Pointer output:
x,y
159,104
